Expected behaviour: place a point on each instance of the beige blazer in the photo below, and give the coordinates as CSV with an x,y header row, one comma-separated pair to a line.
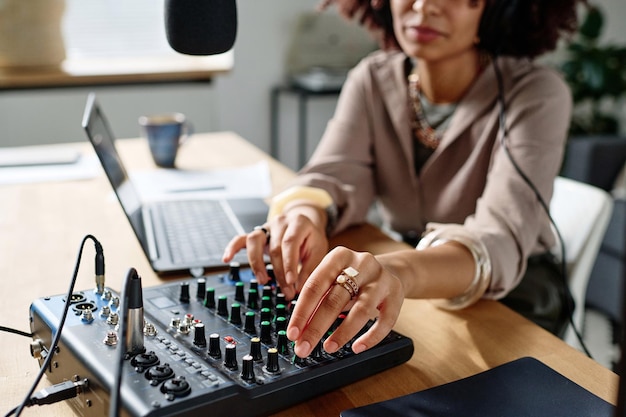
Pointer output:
x,y
366,155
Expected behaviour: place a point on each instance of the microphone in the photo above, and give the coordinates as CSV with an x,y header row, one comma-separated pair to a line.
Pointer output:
x,y
201,27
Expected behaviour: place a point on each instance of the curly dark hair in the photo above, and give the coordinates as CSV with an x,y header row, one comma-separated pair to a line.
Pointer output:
x,y
521,28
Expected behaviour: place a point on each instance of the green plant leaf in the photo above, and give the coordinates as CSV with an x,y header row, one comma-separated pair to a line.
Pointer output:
x,y
591,28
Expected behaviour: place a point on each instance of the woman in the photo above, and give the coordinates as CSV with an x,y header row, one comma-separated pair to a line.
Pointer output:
x,y
417,129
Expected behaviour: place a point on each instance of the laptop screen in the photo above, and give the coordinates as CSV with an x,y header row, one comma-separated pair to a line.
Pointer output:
x,y
103,141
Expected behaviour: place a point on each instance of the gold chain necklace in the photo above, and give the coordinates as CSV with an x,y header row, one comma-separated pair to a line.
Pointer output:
x,y
422,131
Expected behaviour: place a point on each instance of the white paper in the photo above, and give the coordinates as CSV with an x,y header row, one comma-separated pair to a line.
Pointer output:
x,y
241,182
84,167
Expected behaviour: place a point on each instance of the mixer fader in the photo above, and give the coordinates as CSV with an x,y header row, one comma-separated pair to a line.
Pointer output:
x,y
212,344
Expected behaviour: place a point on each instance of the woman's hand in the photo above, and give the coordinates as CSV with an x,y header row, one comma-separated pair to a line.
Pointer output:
x,y
296,242
380,295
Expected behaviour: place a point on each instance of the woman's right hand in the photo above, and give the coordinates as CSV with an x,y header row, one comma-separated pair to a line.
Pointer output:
x,y
295,241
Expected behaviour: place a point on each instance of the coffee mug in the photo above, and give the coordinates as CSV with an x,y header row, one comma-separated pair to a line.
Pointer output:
x,y
165,133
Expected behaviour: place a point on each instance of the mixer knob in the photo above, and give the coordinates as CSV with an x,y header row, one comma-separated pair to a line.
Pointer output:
x,y
272,361
255,349
266,332
254,285
233,274
247,369
281,299
253,299
222,310
209,298
230,357
239,296
249,326
282,343
201,288
176,387
318,351
297,360
269,268
235,314
214,346
281,310
184,292
199,338
266,314
281,324
266,301
268,291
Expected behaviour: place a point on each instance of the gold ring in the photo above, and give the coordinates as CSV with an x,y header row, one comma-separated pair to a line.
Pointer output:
x,y
346,280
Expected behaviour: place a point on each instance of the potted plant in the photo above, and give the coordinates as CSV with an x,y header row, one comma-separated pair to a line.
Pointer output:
x,y
596,75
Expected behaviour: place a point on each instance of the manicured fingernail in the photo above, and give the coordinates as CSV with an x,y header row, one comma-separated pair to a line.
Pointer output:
x,y
293,332
331,347
302,349
358,347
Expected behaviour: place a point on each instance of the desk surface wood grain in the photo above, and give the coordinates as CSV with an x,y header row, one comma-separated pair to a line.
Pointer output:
x,y
41,226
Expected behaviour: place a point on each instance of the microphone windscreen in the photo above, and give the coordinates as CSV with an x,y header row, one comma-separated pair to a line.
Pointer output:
x,y
201,27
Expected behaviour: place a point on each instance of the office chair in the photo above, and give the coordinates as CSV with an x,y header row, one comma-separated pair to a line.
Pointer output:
x,y
581,213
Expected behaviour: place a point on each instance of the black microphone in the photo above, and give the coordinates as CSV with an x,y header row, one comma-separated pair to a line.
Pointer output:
x,y
201,27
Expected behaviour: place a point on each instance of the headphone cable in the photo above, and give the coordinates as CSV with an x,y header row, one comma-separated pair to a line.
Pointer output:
x,y
542,202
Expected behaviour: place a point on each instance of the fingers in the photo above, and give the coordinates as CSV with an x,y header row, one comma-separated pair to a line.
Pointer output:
x,y
255,243
294,244
377,295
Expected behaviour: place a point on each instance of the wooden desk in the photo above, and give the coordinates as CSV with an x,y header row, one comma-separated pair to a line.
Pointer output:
x,y
115,71
41,226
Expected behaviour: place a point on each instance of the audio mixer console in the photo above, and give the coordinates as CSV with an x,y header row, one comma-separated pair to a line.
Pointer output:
x,y
211,345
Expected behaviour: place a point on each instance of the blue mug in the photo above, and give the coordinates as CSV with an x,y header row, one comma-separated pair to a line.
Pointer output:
x,y
165,133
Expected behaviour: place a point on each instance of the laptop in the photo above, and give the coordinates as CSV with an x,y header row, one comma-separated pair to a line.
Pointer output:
x,y
176,234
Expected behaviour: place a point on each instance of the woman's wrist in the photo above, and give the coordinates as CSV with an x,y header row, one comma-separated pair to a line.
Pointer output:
x,y
316,214
317,203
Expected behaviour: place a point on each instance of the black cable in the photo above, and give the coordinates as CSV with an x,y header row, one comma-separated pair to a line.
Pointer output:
x,y
15,331
542,202
57,335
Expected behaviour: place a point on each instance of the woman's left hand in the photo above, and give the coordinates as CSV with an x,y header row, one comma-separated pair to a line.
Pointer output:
x,y
375,293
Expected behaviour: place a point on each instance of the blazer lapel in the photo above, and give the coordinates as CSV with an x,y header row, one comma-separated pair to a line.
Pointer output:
x,y
480,99
392,80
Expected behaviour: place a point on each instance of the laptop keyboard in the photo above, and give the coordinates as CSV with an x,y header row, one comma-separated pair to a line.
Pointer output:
x,y
196,230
